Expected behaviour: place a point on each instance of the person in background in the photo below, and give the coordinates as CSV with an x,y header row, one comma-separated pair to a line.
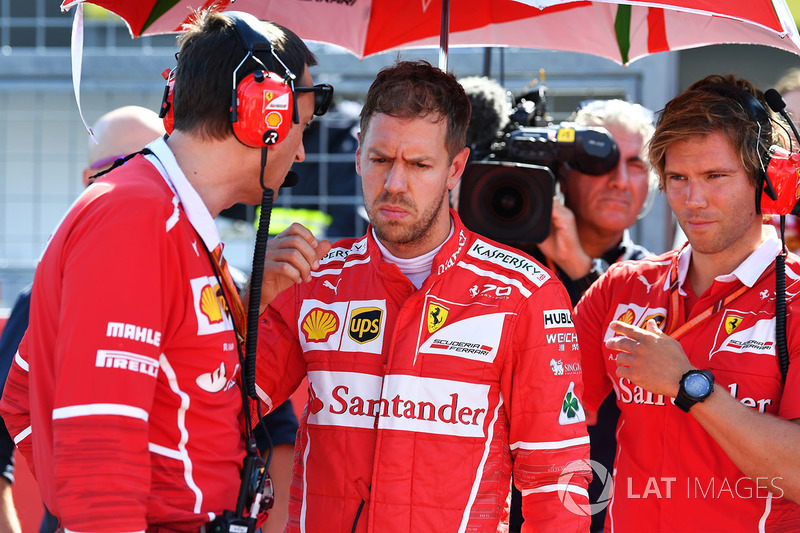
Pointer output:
x,y
428,349
589,231
130,368
708,437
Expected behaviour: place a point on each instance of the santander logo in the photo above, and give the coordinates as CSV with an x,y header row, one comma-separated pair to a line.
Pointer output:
x,y
398,402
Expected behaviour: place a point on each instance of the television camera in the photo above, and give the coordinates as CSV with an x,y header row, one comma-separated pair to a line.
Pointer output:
x,y
508,194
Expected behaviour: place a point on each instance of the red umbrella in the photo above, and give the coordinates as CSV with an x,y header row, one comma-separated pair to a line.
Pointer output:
x,y
621,31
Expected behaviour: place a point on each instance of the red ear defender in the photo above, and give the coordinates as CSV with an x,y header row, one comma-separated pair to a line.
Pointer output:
x,y
784,174
264,106
166,101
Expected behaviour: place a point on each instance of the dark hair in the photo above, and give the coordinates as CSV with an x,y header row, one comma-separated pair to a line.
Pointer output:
x,y
715,103
210,50
411,89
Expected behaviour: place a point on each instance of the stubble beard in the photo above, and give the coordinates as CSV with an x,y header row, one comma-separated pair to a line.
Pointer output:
x,y
397,232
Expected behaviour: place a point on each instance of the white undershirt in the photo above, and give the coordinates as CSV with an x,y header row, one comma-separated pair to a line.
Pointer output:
x,y
417,269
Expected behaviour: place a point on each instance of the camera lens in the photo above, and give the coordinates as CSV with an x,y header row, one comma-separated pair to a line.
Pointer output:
x,y
507,203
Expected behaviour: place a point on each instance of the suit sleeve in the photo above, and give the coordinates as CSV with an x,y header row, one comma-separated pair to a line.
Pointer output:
x,y
118,266
547,433
15,405
590,324
280,366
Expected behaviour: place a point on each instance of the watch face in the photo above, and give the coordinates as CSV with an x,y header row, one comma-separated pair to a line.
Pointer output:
x,y
696,385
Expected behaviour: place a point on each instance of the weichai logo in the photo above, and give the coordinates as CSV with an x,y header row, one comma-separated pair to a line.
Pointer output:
x,y
319,325
398,402
365,324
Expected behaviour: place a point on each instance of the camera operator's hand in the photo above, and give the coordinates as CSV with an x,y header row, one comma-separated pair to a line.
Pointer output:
x,y
563,246
291,256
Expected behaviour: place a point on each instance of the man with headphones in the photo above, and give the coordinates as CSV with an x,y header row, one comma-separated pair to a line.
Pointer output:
x,y
708,438
125,395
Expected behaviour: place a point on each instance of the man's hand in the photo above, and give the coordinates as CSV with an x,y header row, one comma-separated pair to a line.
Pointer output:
x,y
563,246
291,256
648,357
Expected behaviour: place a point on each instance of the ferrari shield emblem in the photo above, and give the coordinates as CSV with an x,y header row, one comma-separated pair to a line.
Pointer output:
x,y
437,315
732,322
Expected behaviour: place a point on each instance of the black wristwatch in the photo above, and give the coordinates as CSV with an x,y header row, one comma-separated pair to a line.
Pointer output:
x,y
599,266
695,386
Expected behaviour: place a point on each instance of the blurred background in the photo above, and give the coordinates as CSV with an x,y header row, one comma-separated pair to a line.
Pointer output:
x,y
43,142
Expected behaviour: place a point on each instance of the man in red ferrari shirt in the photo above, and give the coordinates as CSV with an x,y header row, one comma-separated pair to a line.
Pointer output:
x,y
708,437
125,395
437,360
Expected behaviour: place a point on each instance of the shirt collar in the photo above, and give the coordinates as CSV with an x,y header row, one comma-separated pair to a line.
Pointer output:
x,y
748,270
196,211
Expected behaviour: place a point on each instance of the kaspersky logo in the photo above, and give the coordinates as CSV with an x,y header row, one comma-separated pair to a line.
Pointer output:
x,y
318,325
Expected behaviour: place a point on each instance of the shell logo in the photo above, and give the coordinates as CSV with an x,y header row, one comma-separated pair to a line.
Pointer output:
x,y
209,305
627,317
319,325
273,119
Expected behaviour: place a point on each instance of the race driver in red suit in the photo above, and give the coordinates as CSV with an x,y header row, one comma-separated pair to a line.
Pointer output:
x,y
437,361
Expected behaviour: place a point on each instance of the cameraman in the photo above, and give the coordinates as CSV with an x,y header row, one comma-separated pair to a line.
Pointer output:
x,y
589,231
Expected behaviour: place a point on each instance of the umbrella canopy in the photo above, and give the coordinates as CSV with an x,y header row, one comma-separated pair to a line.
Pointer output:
x,y
621,31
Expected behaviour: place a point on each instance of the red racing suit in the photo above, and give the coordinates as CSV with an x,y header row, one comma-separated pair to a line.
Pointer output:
x,y
130,348
670,475
422,401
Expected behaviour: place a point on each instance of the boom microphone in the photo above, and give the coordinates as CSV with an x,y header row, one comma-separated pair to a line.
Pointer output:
x,y
290,180
776,102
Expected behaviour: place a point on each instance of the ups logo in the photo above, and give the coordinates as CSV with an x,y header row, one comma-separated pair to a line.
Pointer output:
x,y
365,324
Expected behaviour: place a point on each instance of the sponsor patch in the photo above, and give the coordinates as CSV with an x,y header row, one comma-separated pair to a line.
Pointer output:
x,y
133,362
408,403
217,380
732,322
318,325
133,332
437,316
322,326
571,408
476,338
759,338
505,258
365,324
560,369
636,315
210,306
557,318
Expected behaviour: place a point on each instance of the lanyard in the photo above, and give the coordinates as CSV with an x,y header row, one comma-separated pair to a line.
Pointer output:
x,y
230,293
674,297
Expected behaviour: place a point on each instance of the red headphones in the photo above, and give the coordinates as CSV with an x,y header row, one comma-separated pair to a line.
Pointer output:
x,y
263,103
779,176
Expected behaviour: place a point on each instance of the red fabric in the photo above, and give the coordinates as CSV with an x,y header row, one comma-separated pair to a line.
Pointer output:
x,y
670,475
129,349
467,377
